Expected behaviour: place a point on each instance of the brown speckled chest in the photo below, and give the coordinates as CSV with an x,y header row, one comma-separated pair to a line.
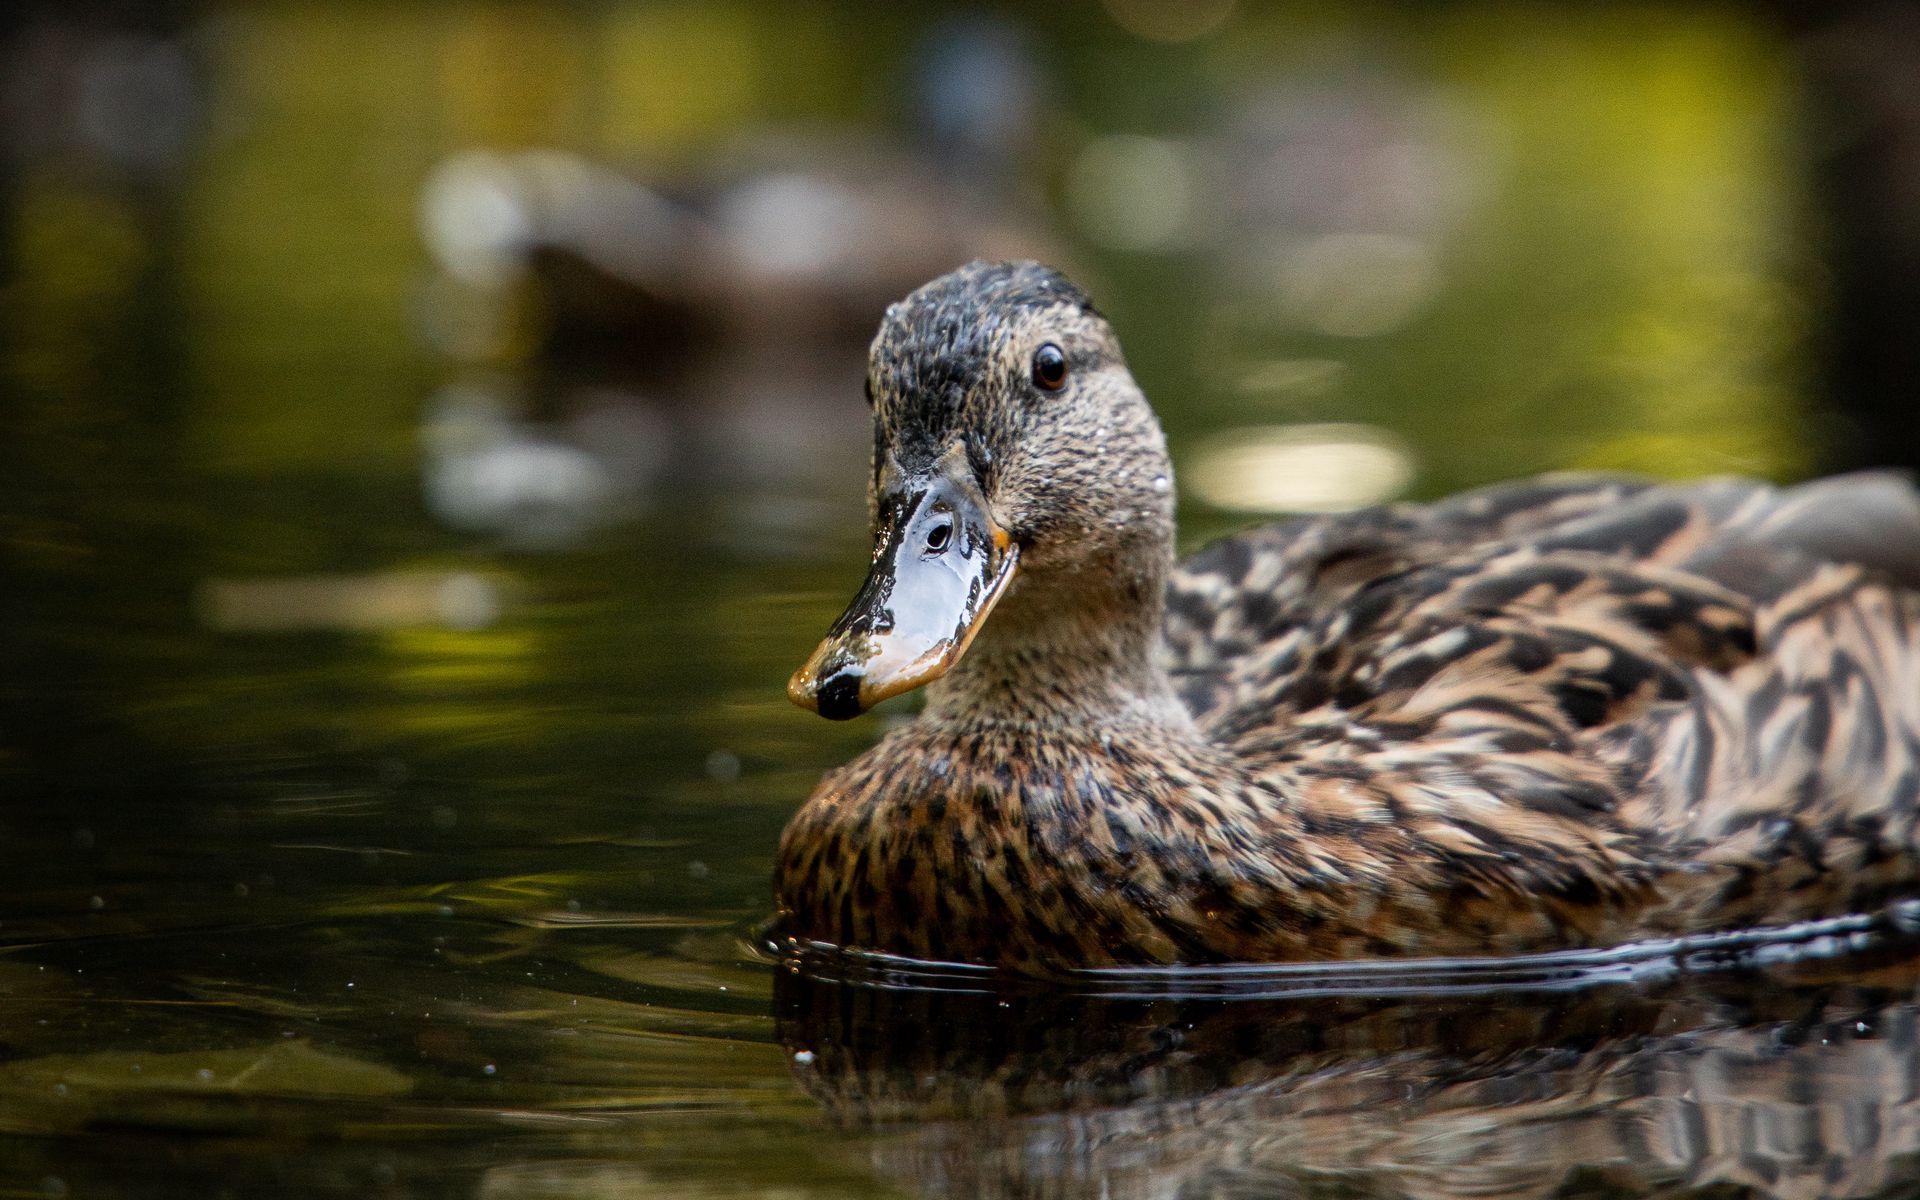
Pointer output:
x,y
994,846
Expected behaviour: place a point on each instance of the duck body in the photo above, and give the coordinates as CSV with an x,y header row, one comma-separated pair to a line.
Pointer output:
x,y
1564,712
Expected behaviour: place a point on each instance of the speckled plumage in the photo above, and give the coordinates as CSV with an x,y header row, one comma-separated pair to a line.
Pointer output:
x,y
1561,712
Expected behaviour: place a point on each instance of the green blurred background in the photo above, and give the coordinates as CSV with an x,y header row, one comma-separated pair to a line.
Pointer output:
x,y
430,433
349,290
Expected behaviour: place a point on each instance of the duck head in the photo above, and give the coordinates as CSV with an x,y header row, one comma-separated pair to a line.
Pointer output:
x,y
1016,468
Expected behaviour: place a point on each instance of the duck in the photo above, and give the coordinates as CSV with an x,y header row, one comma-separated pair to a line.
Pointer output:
x,y
1569,711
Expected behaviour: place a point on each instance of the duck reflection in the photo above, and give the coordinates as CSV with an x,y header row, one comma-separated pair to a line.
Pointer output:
x,y
1779,1082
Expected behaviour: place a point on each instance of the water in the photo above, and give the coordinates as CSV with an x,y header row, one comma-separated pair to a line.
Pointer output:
x,y
393,737
1779,1085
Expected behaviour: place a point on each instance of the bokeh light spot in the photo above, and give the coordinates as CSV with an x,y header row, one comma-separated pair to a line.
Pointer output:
x,y
1299,468
1134,193
1170,20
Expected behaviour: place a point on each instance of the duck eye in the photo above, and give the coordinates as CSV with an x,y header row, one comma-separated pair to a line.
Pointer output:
x,y
1049,368
939,536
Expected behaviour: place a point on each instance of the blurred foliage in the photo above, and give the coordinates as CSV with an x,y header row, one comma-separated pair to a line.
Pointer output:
x,y
1629,293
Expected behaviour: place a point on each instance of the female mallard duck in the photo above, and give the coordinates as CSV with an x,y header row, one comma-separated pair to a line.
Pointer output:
x,y
1556,713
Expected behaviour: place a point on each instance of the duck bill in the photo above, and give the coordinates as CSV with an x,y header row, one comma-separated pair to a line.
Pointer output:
x,y
941,565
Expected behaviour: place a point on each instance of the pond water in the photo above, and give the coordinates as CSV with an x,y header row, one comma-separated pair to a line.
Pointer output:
x,y
393,738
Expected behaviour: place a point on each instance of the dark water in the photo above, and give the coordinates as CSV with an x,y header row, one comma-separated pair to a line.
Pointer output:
x,y
392,733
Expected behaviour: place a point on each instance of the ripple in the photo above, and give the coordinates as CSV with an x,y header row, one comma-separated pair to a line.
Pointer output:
x,y
1649,961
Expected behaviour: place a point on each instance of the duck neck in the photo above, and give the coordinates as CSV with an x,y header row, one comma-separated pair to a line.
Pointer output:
x,y
1069,649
